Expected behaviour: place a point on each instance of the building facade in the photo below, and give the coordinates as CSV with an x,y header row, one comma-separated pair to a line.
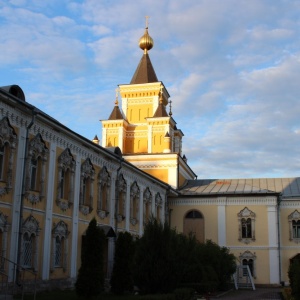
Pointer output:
x,y
53,182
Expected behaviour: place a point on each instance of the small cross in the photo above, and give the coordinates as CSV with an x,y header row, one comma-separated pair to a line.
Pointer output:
x,y
147,19
170,113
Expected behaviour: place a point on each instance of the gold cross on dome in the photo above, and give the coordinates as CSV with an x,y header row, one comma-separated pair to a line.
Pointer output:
x,y
147,21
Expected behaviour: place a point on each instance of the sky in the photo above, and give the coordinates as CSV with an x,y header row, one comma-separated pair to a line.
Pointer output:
x,y
231,67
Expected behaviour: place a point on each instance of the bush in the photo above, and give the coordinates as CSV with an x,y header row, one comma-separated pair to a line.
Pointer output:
x,y
156,263
122,277
184,294
294,277
90,280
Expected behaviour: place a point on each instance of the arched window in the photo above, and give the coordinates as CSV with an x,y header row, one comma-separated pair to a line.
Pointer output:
x,y
30,242
147,204
246,220
8,142
36,169
104,183
121,188
60,246
294,226
134,203
65,180
158,206
86,187
194,225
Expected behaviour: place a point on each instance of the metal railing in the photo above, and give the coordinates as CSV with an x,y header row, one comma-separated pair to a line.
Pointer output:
x,y
22,278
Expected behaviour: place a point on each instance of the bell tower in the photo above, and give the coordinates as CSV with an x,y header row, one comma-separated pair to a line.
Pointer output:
x,y
143,129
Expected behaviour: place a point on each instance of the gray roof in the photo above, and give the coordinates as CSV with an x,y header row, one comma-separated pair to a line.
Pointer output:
x,y
288,187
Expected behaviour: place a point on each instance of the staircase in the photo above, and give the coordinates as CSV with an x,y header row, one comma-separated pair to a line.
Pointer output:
x,y
242,278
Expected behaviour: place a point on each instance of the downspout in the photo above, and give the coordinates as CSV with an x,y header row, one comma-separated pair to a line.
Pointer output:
x,y
279,199
34,113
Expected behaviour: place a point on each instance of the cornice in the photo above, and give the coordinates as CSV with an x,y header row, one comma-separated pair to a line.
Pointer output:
x,y
201,200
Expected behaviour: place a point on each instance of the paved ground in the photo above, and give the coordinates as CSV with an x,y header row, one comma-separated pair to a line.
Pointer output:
x,y
245,294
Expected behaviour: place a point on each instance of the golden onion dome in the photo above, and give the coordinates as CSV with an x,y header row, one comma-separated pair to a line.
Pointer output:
x,y
146,42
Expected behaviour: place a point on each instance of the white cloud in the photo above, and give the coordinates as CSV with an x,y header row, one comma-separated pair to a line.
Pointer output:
x,y
231,68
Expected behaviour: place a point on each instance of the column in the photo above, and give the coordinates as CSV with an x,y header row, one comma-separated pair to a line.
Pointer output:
x,y
48,214
273,245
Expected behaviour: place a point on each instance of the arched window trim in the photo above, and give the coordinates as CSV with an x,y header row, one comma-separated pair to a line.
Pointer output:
x,y
293,217
66,164
104,185
32,229
246,214
158,206
247,255
134,203
147,200
37,151
86,187
121,189
60,231
8,140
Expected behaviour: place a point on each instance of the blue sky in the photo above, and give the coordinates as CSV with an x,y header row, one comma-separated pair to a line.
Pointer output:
x,y
232,69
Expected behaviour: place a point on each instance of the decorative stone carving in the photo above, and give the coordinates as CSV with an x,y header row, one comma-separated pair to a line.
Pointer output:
x,y
8,140
134,203
37,150
104,185
66,163
33,198
86,186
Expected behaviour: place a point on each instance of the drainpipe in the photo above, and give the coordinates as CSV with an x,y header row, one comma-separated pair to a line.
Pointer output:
x,y
34,113
279,199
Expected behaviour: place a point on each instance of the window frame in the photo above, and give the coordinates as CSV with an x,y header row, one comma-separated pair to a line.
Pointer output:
x,y
65,180
294,217
249,216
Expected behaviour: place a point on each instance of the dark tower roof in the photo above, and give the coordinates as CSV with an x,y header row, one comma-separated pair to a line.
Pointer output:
x,y
144,72
116,114
160,111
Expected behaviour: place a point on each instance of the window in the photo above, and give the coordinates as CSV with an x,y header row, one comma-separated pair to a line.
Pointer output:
x,y
65,183
294,226
193,224
8,142
248,259
86,187
158,206
36,169
60,246
134,203
246,220
147,204
246,228
30,241
33,174
104,183
296,229
121,188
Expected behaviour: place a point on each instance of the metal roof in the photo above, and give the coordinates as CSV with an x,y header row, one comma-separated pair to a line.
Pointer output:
x,y
288,187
